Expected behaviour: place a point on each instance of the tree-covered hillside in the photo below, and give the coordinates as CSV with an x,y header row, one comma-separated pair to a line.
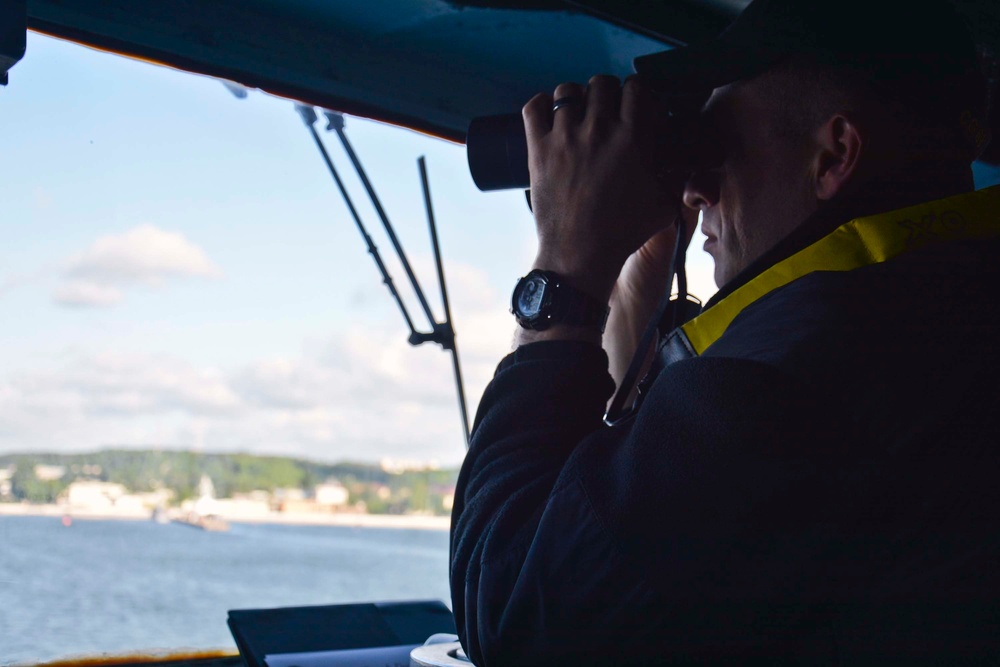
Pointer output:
x,y
140,471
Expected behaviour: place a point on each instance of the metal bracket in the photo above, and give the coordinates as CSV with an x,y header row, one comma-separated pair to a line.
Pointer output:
x,y
13,34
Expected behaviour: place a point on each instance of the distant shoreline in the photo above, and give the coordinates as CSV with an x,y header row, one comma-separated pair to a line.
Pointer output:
x,y
409,521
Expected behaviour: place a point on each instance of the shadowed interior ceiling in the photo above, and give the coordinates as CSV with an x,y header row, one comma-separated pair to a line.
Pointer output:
x,y
431,65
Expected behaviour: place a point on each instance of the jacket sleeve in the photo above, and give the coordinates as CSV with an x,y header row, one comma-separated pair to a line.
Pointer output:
x,y
665,536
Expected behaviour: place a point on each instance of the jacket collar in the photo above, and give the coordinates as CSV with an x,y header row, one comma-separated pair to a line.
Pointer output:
x,y
860,242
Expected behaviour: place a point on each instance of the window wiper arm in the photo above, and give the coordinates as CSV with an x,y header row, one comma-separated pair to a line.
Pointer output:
x,y
442,333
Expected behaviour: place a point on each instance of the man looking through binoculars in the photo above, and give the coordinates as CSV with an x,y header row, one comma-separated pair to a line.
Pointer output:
x,y
811,472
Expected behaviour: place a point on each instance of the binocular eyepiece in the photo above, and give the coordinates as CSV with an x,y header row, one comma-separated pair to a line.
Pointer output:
x,y
498,149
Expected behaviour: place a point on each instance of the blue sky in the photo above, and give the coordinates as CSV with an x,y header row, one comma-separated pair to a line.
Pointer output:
x,y
178,270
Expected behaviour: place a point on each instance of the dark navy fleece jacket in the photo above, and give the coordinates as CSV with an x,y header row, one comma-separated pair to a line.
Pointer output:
x,y
821,486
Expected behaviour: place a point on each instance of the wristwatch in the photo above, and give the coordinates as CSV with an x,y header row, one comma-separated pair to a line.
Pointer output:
x,y
542,299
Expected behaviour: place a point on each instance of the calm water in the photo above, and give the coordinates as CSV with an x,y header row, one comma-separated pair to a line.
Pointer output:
x,y
118,586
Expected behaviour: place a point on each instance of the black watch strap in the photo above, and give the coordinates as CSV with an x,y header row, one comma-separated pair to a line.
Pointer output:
x,y
579,309
562,304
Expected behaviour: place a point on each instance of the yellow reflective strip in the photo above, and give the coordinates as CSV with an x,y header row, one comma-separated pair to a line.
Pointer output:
x,y
858,243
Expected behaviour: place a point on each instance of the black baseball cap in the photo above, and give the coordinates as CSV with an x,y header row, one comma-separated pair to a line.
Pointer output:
x,y
919,52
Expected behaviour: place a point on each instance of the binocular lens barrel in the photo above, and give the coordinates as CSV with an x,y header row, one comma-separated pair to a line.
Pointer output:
x,y
498,152
498,149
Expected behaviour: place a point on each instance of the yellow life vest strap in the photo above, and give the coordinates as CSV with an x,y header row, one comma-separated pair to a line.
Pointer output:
x,y
860,242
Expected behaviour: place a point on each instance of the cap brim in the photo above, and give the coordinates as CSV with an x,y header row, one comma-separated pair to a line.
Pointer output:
x,y
703,67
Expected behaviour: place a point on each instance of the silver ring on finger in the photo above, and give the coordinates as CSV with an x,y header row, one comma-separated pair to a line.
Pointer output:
x,y
568,101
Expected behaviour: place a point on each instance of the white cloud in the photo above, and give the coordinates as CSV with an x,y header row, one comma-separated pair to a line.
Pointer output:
x,y
363,393
114,383
83,293
144,255
304,406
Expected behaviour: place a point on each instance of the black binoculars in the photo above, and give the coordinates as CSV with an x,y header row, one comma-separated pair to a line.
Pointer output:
x,y
498,148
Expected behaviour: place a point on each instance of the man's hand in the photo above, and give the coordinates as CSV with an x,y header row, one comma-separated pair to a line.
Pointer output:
x,y
595,193
637,292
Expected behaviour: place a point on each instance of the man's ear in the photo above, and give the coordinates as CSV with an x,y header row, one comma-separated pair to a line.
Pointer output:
x,y
840,143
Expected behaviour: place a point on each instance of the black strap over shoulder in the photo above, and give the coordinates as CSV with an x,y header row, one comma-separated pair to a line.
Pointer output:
x,y
671,313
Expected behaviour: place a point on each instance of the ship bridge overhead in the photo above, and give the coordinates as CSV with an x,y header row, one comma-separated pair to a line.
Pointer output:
x,y
431,65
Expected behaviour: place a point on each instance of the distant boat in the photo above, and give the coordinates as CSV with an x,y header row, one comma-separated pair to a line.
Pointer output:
x,y
209,522
160,515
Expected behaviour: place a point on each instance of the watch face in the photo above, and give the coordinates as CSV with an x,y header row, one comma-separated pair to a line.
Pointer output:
x,y
531,296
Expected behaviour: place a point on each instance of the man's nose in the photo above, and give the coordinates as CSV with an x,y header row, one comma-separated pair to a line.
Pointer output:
x,y
702,190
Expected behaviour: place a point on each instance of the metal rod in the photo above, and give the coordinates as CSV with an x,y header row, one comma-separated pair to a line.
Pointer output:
x,y
442,333
422,165
461,395
309,117
449,329
339,128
